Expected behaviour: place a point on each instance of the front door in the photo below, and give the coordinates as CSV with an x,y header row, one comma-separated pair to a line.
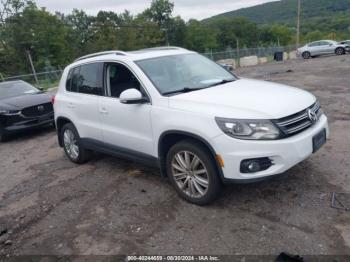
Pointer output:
x,y
125,126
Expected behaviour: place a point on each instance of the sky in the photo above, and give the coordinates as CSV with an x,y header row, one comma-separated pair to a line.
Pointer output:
x,y
198,9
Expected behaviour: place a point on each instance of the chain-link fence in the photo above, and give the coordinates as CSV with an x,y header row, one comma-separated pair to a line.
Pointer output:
x,y
45,80
267,52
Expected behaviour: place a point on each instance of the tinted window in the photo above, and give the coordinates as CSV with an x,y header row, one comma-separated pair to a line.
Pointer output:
x,y
72,80
69,80
120,78
86,79
90,79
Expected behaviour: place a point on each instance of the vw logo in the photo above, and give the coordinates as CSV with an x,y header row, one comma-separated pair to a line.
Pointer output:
x,y
312,116
40,108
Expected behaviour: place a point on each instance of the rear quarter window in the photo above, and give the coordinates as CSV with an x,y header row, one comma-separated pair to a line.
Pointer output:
x,y
86,79
72,80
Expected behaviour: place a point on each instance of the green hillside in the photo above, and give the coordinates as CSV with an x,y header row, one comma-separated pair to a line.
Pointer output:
x,y
285,11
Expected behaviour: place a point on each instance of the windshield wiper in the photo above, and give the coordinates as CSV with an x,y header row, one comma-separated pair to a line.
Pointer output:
x,y
223,81
188,89
183,90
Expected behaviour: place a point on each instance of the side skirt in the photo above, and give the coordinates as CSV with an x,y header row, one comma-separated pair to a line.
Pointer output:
x,y
121,152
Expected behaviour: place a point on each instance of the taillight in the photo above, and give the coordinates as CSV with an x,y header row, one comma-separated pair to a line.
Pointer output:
x,y
53,99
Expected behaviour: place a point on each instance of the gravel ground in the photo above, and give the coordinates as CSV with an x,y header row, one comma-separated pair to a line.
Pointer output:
x,y
49,206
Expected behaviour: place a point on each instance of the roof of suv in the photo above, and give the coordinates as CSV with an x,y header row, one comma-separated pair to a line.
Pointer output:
x,y
134,55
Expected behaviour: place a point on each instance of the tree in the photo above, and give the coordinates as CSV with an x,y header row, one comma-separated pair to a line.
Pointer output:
x,y
231,30
160,12
200,37
275,35
177,31
80,30
40,33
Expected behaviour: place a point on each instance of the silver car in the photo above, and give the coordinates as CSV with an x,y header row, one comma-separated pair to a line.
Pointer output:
x,y
322,47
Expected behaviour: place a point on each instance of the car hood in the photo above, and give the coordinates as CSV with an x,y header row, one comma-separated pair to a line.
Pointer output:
x,y
20,102
245,99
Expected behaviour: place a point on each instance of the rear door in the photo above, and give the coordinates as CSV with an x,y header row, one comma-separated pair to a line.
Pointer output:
x,y
84,87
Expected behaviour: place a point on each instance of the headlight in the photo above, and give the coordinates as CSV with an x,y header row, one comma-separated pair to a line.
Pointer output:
x,y
248,129
9,112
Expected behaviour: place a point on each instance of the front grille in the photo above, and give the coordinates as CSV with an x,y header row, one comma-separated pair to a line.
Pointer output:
x,y
296,123
38,110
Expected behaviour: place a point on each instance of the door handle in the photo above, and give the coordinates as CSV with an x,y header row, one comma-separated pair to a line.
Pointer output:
x,y
70,105
103,111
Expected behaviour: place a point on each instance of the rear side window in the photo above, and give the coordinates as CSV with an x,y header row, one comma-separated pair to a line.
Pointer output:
x,y
72,80
86,79
69,80
314,44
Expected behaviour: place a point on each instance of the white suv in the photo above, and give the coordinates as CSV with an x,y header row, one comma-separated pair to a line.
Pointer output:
x,y
179,111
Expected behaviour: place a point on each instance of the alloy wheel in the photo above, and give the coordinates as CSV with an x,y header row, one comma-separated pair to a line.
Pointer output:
x,y
340,51
190,174
71,144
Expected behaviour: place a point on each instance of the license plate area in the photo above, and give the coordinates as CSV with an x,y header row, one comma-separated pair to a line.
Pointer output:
x,y
319,140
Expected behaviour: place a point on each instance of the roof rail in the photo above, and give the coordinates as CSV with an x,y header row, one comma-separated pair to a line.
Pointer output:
x,y
116,52
160,48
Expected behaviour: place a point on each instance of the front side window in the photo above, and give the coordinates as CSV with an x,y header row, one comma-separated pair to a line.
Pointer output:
x,y
183,73
86,79
119,79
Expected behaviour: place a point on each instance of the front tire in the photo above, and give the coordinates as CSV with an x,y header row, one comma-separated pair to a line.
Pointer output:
x,y
340,51
306,55
193,173
73,146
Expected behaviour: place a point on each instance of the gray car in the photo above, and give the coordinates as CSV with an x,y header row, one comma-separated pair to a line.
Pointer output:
x,y
322,47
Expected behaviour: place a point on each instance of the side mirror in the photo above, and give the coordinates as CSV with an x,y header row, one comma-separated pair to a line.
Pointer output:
x,y
132,96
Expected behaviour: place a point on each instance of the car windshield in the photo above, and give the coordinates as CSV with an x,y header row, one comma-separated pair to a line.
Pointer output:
x,y
184,73
16,88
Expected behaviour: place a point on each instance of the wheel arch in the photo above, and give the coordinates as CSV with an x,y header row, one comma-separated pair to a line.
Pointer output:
x,y
306,52
340,48
60,122
171,137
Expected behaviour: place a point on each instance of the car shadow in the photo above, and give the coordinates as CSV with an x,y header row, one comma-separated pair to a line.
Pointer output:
x,y
29,134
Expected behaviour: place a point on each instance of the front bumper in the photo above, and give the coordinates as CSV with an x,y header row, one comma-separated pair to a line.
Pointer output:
x,y
19,123
284,153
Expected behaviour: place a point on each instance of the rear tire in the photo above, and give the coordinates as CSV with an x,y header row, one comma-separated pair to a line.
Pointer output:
x,y
193,173
340,51
306,55
73,146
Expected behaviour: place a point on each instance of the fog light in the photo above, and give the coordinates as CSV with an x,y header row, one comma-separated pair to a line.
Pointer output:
x,y
255,165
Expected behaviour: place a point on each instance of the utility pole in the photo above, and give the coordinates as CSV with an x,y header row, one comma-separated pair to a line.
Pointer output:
x,y
32,66
298,25
237,53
